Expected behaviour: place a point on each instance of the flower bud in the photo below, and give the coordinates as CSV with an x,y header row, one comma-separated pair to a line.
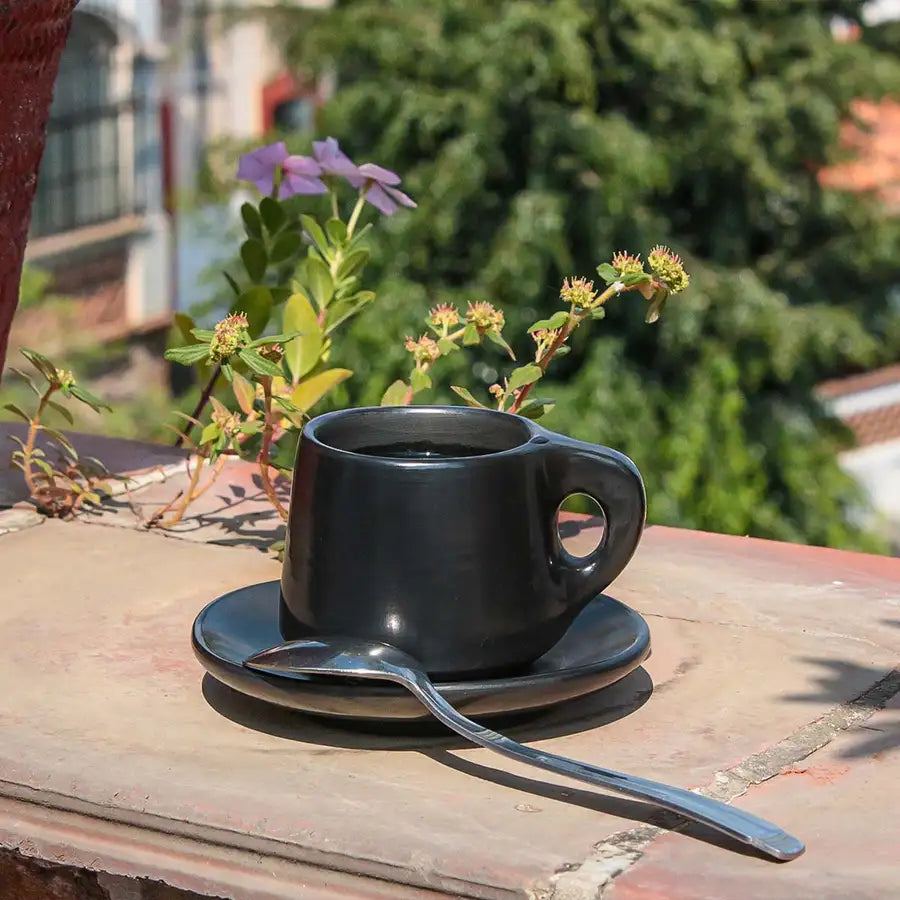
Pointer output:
x,y
65,378
484,316
444,316
668,267
424,350
627,263
579,292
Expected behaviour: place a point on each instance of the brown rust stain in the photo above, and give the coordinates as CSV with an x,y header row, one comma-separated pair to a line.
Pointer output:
x,y
820,774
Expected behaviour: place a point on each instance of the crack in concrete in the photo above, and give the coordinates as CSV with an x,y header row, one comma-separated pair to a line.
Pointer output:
x,y
781,629
591,879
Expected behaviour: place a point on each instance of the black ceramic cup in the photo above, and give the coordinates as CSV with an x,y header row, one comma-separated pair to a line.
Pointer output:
x,y
434,529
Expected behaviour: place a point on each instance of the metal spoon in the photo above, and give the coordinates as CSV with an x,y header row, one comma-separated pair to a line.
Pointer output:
x,y
362,659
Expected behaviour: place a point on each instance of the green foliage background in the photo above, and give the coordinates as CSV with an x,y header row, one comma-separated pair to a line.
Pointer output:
x,y
539,137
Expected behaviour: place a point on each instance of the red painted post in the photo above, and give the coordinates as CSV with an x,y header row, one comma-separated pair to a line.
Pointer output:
x,y
32,36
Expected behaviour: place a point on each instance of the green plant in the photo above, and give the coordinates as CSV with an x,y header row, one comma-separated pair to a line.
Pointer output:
x,y
301,273
305,274
58,481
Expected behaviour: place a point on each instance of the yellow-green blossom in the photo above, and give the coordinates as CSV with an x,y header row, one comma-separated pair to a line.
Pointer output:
x,y
668,267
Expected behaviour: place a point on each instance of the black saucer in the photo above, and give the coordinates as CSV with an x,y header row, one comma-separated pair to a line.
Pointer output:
x,y
605,643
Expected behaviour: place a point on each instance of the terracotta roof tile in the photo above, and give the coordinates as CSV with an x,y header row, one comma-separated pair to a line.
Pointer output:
x,y
876,148
875,425
865,381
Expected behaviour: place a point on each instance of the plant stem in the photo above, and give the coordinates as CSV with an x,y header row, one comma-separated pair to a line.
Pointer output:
x,y
264,464
544,361
201,404
334,205
34,426
354,216
189,496
561,338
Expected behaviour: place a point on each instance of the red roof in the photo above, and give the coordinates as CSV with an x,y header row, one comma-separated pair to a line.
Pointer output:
x,y
875,144
866,381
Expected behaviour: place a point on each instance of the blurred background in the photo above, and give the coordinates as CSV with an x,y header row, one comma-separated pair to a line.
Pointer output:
x,y
758,138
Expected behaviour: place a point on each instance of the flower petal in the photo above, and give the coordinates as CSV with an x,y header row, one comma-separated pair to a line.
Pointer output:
x,y
333,161
379,198
379,174
302,165
254,164
292,185
401,198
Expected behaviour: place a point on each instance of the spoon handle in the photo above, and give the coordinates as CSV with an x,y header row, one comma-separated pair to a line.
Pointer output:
x,y
743,826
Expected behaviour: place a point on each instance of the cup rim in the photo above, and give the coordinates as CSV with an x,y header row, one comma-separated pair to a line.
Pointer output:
x,y
531,432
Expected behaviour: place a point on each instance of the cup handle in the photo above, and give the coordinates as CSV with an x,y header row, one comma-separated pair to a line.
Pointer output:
x,y
614,482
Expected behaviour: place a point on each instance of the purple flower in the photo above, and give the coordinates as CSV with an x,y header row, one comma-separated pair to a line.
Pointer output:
x,y
299,174
259,166
382,193
333,161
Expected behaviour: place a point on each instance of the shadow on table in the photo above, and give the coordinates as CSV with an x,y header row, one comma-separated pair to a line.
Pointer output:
x,y
832,687
594,711
582,714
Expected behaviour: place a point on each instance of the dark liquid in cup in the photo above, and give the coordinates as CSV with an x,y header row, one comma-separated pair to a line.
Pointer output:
x,y
421,450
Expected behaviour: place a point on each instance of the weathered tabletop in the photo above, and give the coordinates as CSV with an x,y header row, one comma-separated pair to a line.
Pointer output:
x,y
773,682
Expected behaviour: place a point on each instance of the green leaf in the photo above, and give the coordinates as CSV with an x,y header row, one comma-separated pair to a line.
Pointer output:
x,y
352,263
607,273
311,390
286,245
40,362
471,335
558,319
534,408
341,310
562,351
540,325
314,230
85,396
419,380
284,338
598,313
256,304
360,235
252,427
227,371
447,346
255,259
498,339
470,400
62,411
244,392
524,375
27,379
396,394
657,304
252,222
210,433
337,231
92,497
258,363
280,294
319,280
302,354
185,325
44,466
17,411
273,214
232,284
61,439
635,278
203,335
